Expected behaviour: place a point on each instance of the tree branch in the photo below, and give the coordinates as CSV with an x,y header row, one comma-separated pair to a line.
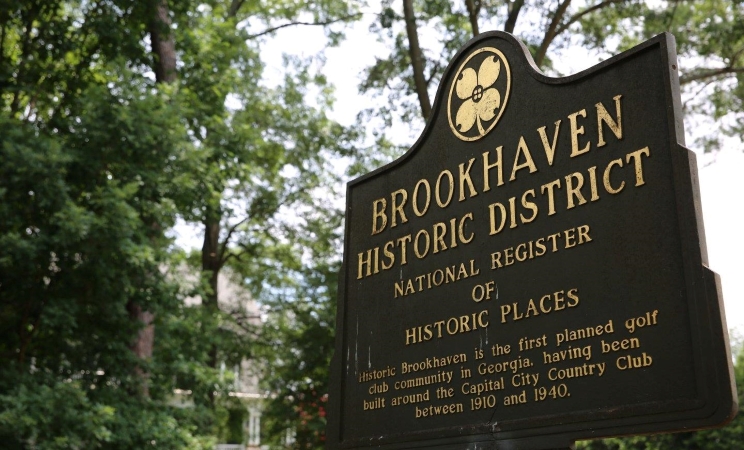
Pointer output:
x,y
291,24
474,7
551,33
163,43
230,231
238,256
417,59
234,8
702,88
433,73
576,17
671,16
2,43
511,20
20,73
710,73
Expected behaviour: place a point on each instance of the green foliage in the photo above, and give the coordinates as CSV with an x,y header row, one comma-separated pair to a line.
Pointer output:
x,y
234,430
263,152
710,44
86,195
299,332
56,416
709,34
98,162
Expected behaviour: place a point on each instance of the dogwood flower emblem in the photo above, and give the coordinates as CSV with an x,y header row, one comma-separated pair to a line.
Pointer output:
x,y
480,102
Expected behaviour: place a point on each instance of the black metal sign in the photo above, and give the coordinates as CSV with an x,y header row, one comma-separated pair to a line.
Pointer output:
x,y
533,270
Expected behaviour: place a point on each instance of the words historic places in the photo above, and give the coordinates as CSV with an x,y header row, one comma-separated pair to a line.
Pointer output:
x,y
533,270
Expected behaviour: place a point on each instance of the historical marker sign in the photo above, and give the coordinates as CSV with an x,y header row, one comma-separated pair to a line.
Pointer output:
x,y
533,270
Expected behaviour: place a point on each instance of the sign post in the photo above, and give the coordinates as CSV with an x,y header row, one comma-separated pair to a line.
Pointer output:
x,y
533,270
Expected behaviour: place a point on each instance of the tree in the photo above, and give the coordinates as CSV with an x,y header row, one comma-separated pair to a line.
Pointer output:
x,y
164,66
259,154
119,117
710,43
299,331
84,181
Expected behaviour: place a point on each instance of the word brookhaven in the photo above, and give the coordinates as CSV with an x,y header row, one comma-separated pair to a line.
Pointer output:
x,y
578,188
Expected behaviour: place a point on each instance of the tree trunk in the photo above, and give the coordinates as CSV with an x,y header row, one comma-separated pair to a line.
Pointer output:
x,y
164,50
551,32
211,262
211,265
417,59
163,43
473,10
143,345
511,20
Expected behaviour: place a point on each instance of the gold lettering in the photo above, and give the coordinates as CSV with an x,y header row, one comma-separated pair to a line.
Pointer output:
x,y
492,217
593,183
377,260
465,178
521,255
481,322
512,213
416,210
362,262
543,308
505,310
440,229
508,256
487,168
575,132
438,188
549,148
420,254
548,187
411,336
528,163
398,290
379,214
636,155
584,234
389,255
541,249
570,238
461,229
572,191
616,126
554,237
571,294
559,299
402,244
496,260
397,209
606,178
455,321
464,324
409,288
449,274
529,205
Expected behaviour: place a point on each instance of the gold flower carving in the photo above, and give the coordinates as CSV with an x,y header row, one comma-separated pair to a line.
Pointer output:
x,y
481,99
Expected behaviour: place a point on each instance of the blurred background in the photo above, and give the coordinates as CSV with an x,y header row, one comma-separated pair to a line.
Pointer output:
x,y
172,179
